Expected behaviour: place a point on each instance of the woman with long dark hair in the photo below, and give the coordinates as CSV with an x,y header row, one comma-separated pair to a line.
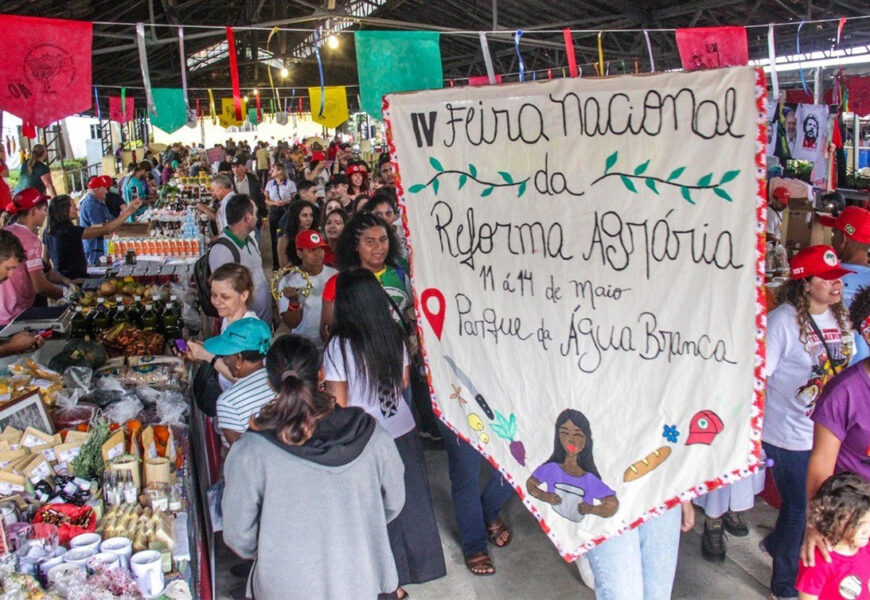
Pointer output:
x,y
333,225
366,363
358,173
35,173
369,242
572,464
63,239
301,216
305,455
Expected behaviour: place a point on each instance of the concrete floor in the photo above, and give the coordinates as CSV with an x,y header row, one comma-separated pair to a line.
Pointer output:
x,y
531,568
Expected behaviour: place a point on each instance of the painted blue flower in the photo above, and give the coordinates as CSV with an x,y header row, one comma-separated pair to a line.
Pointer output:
x,y
671,434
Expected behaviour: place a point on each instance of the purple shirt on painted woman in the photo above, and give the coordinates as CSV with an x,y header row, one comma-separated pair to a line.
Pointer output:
x,y
593,488
843,408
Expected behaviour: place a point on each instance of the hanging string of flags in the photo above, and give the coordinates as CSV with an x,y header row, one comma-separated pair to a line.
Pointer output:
x,y
387,62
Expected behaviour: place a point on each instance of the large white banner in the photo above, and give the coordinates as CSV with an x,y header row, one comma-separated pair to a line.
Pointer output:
x,y
586,256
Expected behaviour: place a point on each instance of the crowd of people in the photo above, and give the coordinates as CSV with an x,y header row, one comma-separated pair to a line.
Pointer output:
x,y
320,399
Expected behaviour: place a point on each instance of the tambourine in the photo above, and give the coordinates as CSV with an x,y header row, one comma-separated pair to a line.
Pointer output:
x,y
281,273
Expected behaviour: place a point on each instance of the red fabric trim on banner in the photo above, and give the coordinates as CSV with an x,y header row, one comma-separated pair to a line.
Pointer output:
x,y
569,52
234,72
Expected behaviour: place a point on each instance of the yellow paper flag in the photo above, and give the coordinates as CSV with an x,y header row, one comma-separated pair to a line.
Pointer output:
x,y
334,107
228,113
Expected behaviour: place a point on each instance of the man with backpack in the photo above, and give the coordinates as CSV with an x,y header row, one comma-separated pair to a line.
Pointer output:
x,y
236,244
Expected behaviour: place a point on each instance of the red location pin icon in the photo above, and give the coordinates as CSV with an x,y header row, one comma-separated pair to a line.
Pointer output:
x,y
435,317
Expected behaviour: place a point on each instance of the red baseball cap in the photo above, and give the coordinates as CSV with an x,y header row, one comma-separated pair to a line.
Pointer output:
x,y
99,181
853,221
781,193
25,200
310,240
318,156
705,425
817,261
356,168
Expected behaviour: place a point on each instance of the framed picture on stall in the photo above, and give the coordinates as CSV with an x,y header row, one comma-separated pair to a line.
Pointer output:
x,y
26,411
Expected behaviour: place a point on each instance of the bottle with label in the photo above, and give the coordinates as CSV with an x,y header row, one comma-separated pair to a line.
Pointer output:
x,y
80,327
169,321
108,492
101,320
134,313
130,493
116,489
150,321
121,315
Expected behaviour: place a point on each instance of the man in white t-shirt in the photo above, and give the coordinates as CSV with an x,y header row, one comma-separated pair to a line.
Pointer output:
x,y
302,314
222,190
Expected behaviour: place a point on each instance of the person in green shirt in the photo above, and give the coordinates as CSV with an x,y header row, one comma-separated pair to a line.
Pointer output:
x,y
35,173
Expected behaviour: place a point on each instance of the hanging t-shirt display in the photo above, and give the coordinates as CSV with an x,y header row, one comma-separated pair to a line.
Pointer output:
x,y
812,127
771,127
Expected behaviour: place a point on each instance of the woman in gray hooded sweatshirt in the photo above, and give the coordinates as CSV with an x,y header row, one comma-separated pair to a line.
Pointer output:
x,y
310,489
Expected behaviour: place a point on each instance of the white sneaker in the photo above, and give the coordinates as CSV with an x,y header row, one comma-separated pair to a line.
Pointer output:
x,y
586,573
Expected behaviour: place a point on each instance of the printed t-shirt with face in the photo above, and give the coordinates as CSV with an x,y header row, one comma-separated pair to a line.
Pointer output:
x,y
223,381
844,410
593,488
844,578
796,375
387,406
309,327
245,398
17,293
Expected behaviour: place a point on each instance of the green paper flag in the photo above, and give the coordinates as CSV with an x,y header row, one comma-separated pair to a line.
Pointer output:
x,y
396,61
252,116
171,109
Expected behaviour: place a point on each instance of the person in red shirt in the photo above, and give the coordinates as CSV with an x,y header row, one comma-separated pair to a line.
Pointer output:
x,y
841,512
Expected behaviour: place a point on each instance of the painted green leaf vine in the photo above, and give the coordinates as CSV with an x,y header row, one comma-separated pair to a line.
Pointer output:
x,y
652,182
507,180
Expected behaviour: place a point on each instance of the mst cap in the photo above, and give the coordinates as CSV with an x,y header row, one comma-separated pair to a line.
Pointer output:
x,y
25,200
853,221
817,261
310,240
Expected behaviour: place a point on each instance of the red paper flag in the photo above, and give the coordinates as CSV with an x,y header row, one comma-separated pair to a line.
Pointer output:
x,y
712,47
116,109
482,80
28,130
234,72
859,95
45,68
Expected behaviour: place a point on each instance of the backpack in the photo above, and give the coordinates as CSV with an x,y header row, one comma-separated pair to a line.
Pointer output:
x,y
202,273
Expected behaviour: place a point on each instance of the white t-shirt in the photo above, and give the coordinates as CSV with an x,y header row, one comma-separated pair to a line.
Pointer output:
x,y
223,381
222,212
774,223
309,327
389,408
795,377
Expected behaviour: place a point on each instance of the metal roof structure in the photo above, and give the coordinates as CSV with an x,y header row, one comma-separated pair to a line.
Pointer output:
x,y
116,63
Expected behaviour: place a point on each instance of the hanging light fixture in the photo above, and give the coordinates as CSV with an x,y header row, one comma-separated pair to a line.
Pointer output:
x,y
245,98
332,41
284,73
